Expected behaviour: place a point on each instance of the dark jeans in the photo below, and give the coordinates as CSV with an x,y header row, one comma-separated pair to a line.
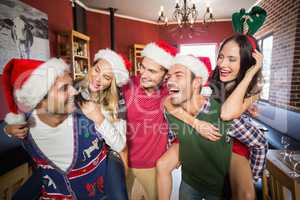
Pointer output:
x,y
186,192
114,187
31,188
115,180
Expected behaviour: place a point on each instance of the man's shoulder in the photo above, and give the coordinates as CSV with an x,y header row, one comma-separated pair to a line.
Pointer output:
x,y
79,115
134,80
133,83
209,105
164,91
214,103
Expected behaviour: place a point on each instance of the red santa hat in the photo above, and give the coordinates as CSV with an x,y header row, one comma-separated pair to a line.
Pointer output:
x,y
207,63
200,66
206,90
26,82
160,52
120,64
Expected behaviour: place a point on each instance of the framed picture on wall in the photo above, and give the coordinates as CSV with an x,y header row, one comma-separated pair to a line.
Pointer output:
x,y
23,32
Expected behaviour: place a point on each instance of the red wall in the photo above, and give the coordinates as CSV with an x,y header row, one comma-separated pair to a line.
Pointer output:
x,y
127,32
98,30
212,33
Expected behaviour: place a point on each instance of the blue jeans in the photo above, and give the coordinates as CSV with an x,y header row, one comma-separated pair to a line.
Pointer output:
x,y
31,188
186,192
115,187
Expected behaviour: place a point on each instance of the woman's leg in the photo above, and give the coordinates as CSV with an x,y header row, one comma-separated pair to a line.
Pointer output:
x,y
164,167
242,186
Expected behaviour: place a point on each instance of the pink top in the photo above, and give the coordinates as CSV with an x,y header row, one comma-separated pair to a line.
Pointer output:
x,y
147,129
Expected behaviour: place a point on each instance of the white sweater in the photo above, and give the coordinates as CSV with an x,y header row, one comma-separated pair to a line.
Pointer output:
x,y
114,133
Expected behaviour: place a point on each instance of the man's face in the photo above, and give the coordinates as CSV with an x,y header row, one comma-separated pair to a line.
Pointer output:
x,y
152,74
60,99
179,84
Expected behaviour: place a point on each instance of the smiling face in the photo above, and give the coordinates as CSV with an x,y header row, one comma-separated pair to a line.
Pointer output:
x,y
100,76
229,60
180,84
60,98
152,74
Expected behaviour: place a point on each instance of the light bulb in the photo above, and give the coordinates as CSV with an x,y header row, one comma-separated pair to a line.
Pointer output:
x,y
161,8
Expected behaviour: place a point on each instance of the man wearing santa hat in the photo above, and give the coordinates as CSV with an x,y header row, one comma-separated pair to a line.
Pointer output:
x,y
147,130
205,163
71,155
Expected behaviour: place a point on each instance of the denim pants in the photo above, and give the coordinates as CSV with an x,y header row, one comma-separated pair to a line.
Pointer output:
x,y
186,192
116,184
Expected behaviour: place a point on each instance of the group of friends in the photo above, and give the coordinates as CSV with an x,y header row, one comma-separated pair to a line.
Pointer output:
x,y
178,112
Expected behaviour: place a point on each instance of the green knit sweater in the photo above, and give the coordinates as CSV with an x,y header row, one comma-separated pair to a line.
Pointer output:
x,y
204,163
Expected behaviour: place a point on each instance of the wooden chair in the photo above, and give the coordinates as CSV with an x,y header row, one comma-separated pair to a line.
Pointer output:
x,y
281,183
13,180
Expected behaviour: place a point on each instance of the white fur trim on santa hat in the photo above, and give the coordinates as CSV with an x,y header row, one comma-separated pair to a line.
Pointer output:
x,y
193,64
206,91
39,83
158,55
117,63
12,118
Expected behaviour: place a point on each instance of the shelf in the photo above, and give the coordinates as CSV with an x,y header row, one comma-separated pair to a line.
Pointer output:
x,y
78,77
135,56
81,57
79,74
80,36
70,44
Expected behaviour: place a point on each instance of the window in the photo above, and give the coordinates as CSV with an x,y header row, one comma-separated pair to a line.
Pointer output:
x,y
266,45
207,50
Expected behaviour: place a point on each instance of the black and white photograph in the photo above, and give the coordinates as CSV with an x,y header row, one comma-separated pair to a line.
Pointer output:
x,y
23,32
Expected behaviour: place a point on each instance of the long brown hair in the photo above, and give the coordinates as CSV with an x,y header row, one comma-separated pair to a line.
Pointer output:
x,y
223,90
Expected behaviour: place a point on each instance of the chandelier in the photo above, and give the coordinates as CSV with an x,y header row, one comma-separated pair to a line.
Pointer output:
x,y
208,16
185,14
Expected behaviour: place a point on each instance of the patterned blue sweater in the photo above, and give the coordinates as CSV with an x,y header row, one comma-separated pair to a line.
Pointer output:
x,y
85,178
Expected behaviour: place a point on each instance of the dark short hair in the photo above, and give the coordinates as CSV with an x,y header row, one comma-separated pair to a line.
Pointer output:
x,y
222,90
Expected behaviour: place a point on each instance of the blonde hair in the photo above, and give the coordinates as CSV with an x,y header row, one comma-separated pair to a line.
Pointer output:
x,y
108,99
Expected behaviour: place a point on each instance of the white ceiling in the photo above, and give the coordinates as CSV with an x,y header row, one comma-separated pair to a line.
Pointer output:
x,y
148,10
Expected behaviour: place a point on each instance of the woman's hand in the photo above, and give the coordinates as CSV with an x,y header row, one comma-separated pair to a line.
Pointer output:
x,y
207,130
19,131
253,110
92,111
255,68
